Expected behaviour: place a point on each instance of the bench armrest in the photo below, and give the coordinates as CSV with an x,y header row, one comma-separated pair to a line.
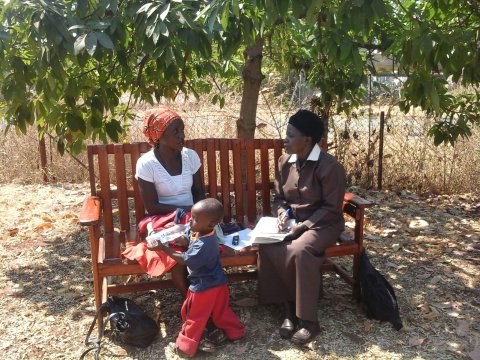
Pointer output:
x,y
357,200
90,213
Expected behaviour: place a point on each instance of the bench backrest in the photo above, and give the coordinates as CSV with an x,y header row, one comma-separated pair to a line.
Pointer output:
x,y
245,167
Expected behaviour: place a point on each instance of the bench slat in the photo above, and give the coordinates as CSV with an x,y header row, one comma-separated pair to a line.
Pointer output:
x,y
212,168
122,197
251,181
237,181
225,178
104,170
197,145
138,201
265,178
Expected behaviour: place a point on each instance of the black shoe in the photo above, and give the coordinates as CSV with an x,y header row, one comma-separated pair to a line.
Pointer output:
x,y
286,330
308,330
288,326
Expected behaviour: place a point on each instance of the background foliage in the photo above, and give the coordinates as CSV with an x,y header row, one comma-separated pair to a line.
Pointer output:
x,y
74,68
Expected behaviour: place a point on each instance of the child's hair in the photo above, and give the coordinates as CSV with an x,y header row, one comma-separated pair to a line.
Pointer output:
x,y
212,207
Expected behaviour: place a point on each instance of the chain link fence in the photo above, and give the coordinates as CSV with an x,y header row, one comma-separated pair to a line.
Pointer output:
x,y
410,159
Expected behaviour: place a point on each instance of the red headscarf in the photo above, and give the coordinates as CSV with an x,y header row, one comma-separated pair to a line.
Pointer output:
x,y
156,122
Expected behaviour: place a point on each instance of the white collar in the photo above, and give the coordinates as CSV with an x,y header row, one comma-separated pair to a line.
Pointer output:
x,y
313,156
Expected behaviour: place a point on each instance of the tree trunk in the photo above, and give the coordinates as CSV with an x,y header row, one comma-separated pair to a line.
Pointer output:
x,y
252,79
42,149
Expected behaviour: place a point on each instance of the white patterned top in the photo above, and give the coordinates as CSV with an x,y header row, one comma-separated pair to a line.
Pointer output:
x,y
171,190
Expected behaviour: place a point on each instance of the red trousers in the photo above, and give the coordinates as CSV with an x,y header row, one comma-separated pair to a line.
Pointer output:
x,y
197,308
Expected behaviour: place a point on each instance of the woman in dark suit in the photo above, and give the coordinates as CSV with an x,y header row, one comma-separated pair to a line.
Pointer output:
x,y
310,187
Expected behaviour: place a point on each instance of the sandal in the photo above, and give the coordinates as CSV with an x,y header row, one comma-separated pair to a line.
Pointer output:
x,y
213,340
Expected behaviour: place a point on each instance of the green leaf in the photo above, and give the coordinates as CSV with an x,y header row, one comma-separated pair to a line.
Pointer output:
x,y
345,51
82,7
79,44
152,10
76,123
435,99
77,147
152,23
225,16
105,40
235,8
69,100
164,29
91,43
96,119
164,11
74,27
113,128
144,8
60,147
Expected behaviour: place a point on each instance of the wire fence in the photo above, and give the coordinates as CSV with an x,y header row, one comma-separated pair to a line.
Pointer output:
x,y
410,160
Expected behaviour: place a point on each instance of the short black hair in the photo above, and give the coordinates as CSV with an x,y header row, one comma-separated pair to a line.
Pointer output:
x,y
212,207
308,123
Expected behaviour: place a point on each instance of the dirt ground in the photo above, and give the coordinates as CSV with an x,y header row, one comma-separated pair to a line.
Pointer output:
x,y
428,248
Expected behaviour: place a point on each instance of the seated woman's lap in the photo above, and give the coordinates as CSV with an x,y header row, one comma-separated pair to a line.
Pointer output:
x,y
313,242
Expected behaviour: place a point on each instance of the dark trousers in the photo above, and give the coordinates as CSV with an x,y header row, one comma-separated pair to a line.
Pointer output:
x,y
290,271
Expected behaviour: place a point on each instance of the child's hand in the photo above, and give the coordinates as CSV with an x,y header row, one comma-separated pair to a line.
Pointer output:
x,y
180,241
153,244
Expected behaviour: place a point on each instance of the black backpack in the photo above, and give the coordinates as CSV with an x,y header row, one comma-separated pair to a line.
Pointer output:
x,y
128,323
377,294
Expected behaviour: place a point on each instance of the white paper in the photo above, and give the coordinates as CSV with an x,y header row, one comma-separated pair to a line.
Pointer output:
x,y
266,231
244,239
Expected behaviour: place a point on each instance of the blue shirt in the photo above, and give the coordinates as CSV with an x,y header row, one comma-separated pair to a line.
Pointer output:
x,y
203,262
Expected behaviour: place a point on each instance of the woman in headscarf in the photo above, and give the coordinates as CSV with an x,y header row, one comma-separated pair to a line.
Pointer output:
x,y
168,179
310,187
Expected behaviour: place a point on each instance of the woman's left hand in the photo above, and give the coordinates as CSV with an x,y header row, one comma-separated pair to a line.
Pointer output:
x,y
295,232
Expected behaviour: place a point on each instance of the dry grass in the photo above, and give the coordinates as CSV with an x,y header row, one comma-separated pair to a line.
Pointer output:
x,y
47,302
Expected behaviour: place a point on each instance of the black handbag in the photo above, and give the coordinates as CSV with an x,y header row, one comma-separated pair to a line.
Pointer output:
x,y
377,294
128,324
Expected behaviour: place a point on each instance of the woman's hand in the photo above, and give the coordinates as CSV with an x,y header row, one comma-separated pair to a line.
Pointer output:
x,y
295,232
282,220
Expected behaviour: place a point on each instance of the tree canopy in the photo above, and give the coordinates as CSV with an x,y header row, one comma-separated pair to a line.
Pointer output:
x,y
66,64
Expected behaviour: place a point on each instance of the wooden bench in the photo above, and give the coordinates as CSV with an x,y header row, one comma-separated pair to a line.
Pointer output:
x,y
114,207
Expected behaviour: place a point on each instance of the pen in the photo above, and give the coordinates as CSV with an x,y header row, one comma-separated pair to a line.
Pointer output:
x,y
288,212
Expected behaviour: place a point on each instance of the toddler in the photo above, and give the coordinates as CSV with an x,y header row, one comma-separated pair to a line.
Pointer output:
x,y
208,294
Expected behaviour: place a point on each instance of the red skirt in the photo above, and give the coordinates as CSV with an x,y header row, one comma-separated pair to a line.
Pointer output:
x,y
155,263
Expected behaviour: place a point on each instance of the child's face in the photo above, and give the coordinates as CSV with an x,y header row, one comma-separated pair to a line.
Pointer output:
x,y
200,221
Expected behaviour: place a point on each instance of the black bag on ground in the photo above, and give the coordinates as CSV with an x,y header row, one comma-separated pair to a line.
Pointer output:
x,y
128,323
377,294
